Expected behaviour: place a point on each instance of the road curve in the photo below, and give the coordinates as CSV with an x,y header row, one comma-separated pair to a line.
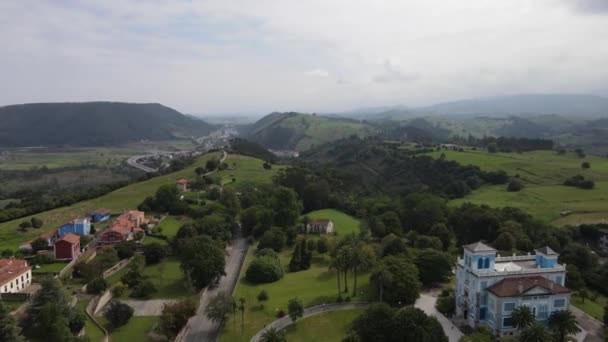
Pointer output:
x,y
284,322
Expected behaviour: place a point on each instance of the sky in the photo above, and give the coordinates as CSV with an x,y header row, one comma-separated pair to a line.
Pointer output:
x,y
259,56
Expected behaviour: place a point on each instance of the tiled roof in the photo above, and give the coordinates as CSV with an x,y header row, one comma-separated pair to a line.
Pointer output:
x,y
12,268
101,211
546,251
70,238
182,181
514,287
479,247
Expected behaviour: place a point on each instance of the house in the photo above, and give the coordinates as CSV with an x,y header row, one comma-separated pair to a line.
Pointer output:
x,y
68,247
15,275
323,226
80,227
182,184
100,215
123,228
489,286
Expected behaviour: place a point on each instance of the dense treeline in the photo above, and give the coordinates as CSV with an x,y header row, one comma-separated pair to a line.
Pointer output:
x,y
252,149
507,144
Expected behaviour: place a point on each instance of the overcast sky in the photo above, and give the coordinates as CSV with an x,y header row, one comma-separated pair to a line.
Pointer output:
x,y
257,56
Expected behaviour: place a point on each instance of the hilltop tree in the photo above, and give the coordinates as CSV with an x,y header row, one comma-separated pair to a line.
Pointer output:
x,y
36,222
202,258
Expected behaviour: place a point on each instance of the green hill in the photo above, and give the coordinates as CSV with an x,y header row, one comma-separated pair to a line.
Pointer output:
x,y
297,131
93,124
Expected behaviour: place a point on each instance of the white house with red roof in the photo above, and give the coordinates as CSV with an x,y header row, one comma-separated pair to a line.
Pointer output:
x,y
15,275
182,184
322,226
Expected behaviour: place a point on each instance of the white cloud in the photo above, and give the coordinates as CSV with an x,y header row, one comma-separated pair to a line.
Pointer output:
x,y
317,73
227,56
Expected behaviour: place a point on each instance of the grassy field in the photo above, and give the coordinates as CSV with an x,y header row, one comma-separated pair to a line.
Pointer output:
x,y
327,327
314,286
136,330
247,170
344,224
92,331
128,197
55,267
543,173
594,308
171,224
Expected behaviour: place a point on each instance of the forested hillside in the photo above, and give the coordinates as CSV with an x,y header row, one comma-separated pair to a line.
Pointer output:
x,y
296,131
93,124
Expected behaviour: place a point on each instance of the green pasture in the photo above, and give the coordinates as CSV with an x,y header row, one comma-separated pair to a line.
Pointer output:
x,y
327,327
543,173
136,330
171,224
246,170
128,197
314,286
344,224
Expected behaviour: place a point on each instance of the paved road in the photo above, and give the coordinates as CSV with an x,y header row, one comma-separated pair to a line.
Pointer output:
x,y
592,329
426,303
284,322
151,307
133,162
199,327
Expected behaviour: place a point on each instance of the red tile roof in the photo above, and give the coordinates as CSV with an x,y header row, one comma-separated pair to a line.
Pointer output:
x,y
101,211
70,238
11,269
514,287
182,181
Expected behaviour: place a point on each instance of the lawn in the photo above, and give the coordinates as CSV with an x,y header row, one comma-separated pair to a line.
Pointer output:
x,y
543,173
92,331
136,330
344,224
167,276
128,197
594,308
327,327
246,170
171,224
55,267
314,286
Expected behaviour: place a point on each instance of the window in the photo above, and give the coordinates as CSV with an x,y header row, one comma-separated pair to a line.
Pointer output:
x,y
507,322
480,263
508,307
559,303
558,280
482,313
486,263
543,312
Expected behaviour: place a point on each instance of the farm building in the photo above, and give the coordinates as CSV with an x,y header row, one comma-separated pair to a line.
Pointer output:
x,y
123,228
15,275
100,215
68,247
323,226
49,237
80,227
182,184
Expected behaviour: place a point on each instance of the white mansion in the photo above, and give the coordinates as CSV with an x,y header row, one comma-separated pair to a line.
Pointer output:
x,y
489,287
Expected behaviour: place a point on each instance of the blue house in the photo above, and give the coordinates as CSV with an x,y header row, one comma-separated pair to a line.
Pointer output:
x,y
78,226
100,215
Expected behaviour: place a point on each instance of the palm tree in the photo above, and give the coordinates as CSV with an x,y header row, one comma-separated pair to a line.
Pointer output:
x,y
363,258
522,317
344,258
535,332
272,335
335,266
563,323
242,308
381,277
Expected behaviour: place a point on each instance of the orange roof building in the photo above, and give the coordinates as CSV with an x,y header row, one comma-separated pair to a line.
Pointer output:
x,y
15,275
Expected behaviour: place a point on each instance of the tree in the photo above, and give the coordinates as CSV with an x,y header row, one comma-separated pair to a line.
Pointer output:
x,y
412,324
335,266
446,304
605,315
39,244
262,297
49,312
144,289
583,294
97,285
563,323
322,245
211,164
535,332
311,245
274,238
154,253
8,326
36,222
118,313
441,231
77,321
242,310
363,258
175,316
522,317
405,287
125,249
25,225
492,148
381,278
505,242
295,307
586,165
264,269
574,278
434,266
515,186
202,259
272,335
219,306
344,259
375,323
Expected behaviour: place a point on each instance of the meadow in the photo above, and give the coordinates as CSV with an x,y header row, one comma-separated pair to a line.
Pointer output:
x,y
327,327
128,197
343,224
245,170
542,173
314,286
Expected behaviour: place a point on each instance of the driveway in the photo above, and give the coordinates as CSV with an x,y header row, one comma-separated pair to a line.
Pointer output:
x,y
200,328
592,329
426,303
151,307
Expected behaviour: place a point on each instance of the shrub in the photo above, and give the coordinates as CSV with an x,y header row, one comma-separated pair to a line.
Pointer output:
x,y
514,186
586,165
36,222
118,314
273,238
119,289
125,249
143,290
281,313
97,285
446,305
267,252
154,253
265,269
175,316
